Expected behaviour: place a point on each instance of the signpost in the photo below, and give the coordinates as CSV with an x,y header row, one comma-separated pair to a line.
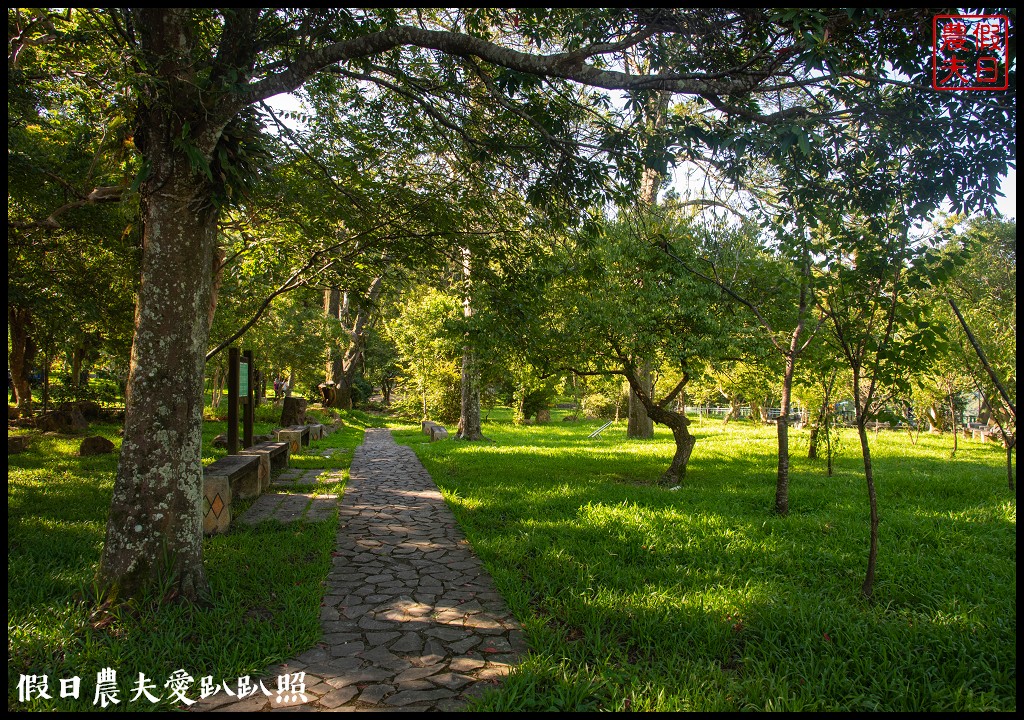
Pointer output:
x,y
243,376
246,396
239,393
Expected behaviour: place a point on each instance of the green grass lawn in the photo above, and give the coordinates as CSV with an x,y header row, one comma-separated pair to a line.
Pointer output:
x,y
265,580
635,597
632,596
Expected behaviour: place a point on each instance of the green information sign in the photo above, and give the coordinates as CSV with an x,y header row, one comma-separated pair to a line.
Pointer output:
x,y
243,378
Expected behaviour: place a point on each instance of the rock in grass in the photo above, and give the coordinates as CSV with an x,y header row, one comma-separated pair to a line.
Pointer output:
x,y
95,445
66,422
90,410
17,443
221,441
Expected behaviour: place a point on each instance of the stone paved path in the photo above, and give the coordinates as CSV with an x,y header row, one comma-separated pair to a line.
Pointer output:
x,y
411,620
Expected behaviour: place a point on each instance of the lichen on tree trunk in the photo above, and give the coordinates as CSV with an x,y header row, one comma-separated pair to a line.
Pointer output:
x,y
155,524
470,426
154,532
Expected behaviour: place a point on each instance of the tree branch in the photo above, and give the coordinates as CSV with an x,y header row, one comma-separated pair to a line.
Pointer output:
x,y
567,66
984,361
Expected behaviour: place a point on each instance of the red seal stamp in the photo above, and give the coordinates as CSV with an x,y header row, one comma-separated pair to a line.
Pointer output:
x,y
970,52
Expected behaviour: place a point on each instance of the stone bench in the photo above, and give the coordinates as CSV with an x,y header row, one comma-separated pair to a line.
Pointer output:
x,y
981,433
279,452
234,476
273,456
435,431
295,435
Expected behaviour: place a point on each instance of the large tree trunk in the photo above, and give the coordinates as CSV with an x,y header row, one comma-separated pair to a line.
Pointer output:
x,y
640,426
77,354
155,524
757,412
340,367
343,389
332,309
684,448
23,352
155,532
470,425
735,406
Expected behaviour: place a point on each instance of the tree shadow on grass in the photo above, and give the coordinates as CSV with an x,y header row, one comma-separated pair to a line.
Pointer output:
x,y
604,571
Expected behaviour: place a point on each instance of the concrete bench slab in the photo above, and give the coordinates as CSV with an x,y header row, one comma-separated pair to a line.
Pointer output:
x,y
292,437
264,467
303,430
296,436
216,504
234,476
279,452
242,472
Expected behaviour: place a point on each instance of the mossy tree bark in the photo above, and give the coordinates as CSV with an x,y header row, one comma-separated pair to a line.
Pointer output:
x,y
154,532
155,519
470,424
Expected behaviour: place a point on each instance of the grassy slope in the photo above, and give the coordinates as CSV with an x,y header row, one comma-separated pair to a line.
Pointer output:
x,y
635,597
266,581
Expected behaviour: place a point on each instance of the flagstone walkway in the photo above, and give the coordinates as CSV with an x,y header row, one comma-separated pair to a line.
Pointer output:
x,y
411,620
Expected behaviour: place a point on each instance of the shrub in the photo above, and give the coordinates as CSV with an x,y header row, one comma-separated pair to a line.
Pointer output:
x,y
599,405
361,391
